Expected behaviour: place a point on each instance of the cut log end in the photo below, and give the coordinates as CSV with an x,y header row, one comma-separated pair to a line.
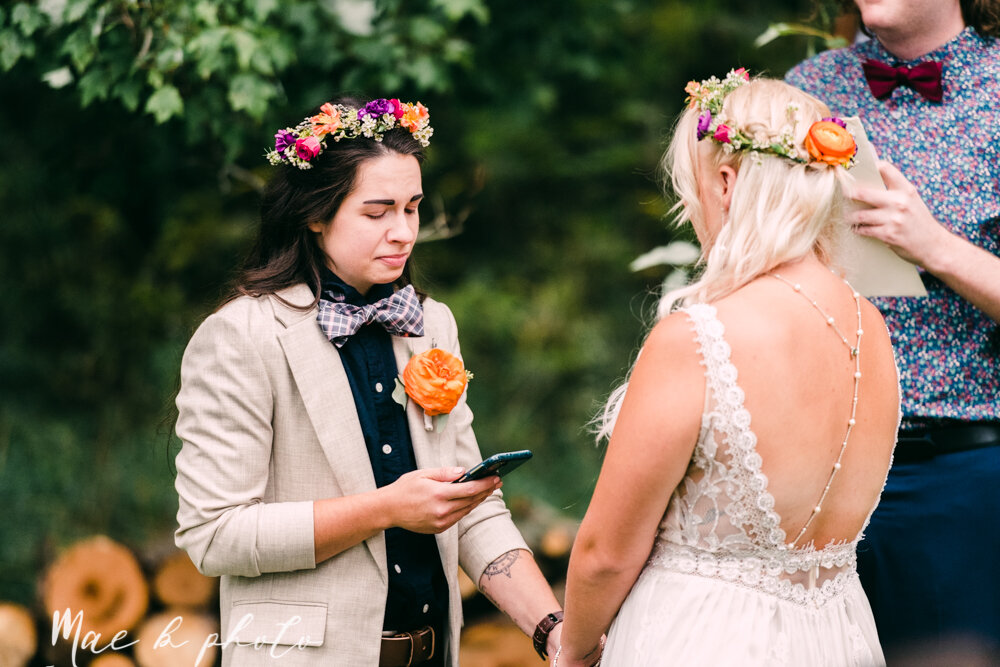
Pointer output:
x,y
178,583
18,637
112,660
558,540
175,637
100,578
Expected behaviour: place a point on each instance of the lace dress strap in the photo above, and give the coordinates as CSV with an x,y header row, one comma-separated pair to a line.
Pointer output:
x,y
727,422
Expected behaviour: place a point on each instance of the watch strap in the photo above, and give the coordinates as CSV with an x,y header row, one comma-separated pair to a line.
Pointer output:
x,y
541,637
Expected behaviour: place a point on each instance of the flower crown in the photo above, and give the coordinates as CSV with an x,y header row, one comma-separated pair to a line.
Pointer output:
x,y
827,141
302,144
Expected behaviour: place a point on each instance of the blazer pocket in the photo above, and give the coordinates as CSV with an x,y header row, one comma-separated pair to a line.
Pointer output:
x,y
272,623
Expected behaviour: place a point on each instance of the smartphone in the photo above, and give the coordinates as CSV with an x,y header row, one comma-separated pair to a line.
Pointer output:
x,y
498,464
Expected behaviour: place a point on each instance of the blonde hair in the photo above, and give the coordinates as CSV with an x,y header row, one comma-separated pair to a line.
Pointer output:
x,y
780,210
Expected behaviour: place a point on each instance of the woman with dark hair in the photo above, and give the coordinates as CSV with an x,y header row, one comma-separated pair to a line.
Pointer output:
x,y
313,480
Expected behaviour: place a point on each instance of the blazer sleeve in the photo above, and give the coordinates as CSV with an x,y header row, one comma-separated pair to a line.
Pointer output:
x,y
488,531
225,407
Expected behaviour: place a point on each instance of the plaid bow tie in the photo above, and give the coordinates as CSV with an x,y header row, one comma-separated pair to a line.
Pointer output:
x,y
401,314
924,78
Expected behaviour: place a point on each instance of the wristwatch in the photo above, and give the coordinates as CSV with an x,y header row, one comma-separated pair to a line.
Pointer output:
x,y
541,637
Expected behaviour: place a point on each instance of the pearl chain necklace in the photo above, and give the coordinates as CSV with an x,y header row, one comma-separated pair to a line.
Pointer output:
x,y
855,355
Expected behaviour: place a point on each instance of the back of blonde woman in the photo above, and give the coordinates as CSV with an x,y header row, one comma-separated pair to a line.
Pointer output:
x,y
752,441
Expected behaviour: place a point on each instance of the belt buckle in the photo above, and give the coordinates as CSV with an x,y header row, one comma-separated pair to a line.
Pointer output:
x,y
412,638
413,647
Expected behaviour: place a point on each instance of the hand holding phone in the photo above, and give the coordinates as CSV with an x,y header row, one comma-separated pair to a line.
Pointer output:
x,y
498,464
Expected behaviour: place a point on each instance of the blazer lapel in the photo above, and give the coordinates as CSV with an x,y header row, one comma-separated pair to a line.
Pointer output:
x,y
319,375
425,443
427,448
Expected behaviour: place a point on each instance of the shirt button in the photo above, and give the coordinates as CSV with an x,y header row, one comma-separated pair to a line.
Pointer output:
x,y
426,607
399,570
386,449
378,387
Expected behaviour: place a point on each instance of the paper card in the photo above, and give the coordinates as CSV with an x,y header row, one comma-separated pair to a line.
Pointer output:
x,y
871,266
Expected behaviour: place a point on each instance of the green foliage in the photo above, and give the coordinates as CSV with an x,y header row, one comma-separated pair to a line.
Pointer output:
x,y
134,132
776,30
819,29
236,58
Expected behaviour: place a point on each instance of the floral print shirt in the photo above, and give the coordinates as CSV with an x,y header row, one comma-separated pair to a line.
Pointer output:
x,y
948,350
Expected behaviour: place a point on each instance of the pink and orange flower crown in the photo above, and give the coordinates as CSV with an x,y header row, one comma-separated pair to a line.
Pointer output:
x,y
299,146
827,141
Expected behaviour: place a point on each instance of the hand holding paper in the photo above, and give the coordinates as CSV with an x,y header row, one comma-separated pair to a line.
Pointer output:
x,y
879,216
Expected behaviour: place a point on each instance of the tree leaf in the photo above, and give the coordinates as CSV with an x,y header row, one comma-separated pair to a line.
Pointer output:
x,y
170,59
95,84
426,31
80,47
206,48
76,10
54,9
58,78
154,77
458,9
128,91
13,47
165,103
245,44
263,8
355,16
776,30
207,13
678,253
250,93
27,17
426,73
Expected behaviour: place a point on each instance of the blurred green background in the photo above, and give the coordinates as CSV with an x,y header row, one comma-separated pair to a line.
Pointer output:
x,y
134,135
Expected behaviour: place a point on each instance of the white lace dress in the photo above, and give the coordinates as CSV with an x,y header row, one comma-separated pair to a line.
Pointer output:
x,y
721,588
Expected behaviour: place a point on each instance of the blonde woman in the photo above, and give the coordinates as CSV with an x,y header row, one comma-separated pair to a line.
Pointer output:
x,y
754,436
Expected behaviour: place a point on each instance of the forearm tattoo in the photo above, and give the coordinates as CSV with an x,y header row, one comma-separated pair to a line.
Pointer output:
x,y
502,565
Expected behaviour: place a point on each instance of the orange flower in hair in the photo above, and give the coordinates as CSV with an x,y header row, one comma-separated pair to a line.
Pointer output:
x,y
828,141
435,379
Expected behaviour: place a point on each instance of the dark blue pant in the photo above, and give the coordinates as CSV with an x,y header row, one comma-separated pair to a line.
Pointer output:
x,y
930,560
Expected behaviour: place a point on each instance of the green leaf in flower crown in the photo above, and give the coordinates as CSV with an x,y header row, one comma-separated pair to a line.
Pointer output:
x,y
399,394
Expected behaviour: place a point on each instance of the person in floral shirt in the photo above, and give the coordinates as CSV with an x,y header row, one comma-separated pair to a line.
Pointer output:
x,y
926,87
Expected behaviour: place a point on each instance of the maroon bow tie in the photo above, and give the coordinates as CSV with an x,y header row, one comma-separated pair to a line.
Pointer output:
x,y
924,78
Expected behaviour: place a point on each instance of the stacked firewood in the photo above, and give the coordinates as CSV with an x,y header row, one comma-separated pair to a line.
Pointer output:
x,y
99,609
101,605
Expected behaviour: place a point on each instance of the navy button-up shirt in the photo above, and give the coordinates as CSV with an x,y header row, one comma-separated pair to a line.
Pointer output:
x,y
418,590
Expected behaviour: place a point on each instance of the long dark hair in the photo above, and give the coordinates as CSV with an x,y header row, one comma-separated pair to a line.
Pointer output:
x,y
982,15
286,251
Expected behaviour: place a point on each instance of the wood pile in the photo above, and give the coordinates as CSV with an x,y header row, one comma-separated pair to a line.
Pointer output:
x,y
113,608
110,610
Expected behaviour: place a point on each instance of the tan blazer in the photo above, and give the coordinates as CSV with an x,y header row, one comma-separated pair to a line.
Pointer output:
x,y
268,425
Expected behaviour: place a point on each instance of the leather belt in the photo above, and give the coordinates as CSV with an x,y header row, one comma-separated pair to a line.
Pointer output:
x,y
925,443
405,649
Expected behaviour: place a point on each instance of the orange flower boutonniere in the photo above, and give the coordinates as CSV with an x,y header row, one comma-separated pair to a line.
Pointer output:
x,y
435,380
